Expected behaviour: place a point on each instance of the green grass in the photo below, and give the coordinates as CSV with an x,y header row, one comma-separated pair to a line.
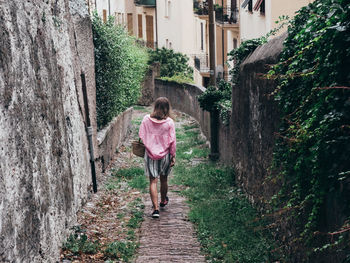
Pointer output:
x,y
139,182
121,250
129,173
135,176
140,108
227,225
78,242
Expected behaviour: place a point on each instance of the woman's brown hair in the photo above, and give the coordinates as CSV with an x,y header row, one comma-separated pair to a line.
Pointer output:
x,y
162,109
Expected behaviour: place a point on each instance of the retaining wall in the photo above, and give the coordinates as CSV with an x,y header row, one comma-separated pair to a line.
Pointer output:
x,y
112,136
183,97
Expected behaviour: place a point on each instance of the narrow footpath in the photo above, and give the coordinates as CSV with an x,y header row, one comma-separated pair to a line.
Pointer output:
x,y
171,238
115,225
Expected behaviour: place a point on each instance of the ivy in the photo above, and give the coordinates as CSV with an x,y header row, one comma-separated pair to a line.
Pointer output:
x,y
217,99
313,145
120,66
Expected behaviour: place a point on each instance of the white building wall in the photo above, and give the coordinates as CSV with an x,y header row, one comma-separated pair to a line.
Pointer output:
x,y
252,24
176,25
113,8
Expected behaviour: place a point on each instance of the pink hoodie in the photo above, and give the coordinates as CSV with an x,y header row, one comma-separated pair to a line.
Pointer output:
x,y
158,137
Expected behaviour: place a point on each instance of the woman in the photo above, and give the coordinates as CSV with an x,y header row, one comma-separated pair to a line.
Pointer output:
x,y
157,132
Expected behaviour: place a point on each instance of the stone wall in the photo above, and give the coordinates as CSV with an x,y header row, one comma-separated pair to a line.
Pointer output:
x,y
247,140
254,119
112,136
44,160
183,97
147,92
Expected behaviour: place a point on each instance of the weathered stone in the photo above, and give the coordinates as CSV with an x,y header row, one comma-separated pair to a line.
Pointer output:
x,y
254,120
183,97
44,161
147,91
171,238
111,137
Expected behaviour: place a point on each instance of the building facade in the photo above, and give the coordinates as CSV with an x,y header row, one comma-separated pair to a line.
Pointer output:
x,y
184,26
258,16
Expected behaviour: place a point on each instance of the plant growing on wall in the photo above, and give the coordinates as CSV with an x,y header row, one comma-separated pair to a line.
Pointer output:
x,y
120,66
212,99
173,65
217,99
313,145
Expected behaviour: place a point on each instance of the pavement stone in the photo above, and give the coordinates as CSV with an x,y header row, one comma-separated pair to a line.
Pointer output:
x,y
171,238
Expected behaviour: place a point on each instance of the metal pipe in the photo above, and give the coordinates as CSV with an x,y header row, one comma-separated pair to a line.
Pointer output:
x,y
211,43
89,131
223,41
156,18
214,115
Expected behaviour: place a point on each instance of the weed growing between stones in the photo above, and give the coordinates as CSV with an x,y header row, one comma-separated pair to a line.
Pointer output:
x,y
228,227
92,241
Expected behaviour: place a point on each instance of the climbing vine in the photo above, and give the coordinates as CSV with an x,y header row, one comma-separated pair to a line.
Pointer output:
x,y
313,144
120,66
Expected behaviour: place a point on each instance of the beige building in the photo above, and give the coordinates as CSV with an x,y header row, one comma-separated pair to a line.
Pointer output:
x,y
138,16
184,25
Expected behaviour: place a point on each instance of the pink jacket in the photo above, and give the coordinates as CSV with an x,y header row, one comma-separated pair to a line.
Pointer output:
x,y
158,137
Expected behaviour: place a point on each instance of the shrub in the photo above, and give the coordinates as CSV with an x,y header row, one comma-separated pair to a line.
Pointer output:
x,y
171,63
120,66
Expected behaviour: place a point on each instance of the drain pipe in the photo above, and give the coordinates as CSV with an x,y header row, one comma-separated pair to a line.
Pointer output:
x,y
89,131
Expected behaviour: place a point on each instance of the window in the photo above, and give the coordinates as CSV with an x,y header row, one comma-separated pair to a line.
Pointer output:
x,y
248,3
104,13
139,20
262,8
234,43
260,5
167,8
149,31
250,6
202,44
130,24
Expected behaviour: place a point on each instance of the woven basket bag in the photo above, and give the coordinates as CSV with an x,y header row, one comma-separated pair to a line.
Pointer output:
x,y
138,148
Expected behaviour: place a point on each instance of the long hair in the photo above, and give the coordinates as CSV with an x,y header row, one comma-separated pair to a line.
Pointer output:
x,y
162,109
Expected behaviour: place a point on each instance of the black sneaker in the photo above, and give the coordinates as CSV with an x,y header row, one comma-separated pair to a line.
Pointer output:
x,y
155,214
163,204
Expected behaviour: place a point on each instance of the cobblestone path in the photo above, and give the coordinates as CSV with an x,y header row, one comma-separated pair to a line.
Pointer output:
x,y
170,238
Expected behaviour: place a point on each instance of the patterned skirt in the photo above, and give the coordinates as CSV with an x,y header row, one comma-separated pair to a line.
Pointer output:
x,y
156,168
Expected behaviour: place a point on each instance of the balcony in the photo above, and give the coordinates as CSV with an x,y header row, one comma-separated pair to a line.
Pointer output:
x,y
200,8
201,63
152,45
146,3
226,15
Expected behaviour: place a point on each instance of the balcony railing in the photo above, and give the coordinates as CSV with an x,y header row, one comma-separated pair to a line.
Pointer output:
x,y
148,44
200,8
149,3
226,15
201,63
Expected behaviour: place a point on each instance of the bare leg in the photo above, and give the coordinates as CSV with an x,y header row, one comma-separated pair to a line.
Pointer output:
x,y
153,192
163,187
